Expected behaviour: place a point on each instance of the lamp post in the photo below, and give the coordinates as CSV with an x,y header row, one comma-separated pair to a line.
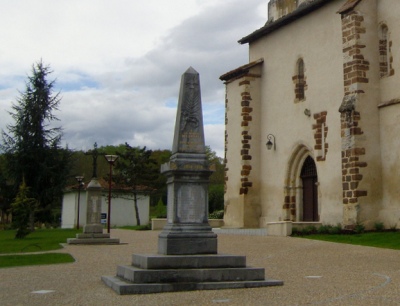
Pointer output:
x,y
79,179
111,160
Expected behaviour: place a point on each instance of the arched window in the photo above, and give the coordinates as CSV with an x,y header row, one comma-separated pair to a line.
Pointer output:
x,y
299,79
384,64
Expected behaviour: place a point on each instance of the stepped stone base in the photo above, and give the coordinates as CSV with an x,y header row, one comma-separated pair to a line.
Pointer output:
x,y
93,238
166,273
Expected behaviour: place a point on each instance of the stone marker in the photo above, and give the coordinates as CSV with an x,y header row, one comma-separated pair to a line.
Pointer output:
x,y
187,256
187,230
93,229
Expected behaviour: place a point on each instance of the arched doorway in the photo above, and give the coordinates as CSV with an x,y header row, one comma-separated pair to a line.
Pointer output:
x,y
309,179
301,190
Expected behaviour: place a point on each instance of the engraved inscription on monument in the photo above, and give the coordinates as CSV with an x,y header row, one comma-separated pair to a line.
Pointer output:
x,y
188,209
170,208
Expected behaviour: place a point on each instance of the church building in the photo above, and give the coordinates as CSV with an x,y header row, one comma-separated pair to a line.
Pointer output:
x,y
313,119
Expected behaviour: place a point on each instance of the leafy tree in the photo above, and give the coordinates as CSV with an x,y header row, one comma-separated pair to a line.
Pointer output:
x,y
23,211
215,197
216,187
213,159
160,183
136,170
32,145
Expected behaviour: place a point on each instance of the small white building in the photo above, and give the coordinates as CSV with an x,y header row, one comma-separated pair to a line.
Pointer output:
x,y
122,207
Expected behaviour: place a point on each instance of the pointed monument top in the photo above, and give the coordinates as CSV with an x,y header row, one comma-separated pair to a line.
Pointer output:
x,y
189,131
191,70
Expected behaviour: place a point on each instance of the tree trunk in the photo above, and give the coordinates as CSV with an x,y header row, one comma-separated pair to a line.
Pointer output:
x,y
136,209
32,221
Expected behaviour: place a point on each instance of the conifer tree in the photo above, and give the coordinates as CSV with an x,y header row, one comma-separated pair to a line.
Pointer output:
x,y
32,144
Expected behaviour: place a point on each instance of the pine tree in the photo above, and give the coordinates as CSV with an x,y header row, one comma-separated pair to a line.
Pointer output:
x,y
32,144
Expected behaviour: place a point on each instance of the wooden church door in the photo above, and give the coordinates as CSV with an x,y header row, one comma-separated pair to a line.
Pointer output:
x,y
310,190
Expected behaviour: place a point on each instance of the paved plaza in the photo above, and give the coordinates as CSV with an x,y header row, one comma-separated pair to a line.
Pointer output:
x,y
314,273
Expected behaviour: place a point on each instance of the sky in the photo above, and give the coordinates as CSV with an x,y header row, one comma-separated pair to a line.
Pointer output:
x,y
118,64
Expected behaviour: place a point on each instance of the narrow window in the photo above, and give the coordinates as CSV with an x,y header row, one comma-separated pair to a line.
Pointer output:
x,y
300,81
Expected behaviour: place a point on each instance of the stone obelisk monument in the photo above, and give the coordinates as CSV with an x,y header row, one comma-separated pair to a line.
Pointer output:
x,y
93,229
187,256
187,230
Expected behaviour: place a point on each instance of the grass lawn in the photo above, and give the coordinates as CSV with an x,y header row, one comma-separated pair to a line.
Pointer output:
x,y
8,261
386,240
38,241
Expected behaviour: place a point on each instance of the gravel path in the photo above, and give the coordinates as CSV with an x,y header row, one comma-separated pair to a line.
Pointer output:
x,y
314,272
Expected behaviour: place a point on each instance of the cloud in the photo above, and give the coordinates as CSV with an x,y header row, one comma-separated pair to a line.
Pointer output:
x,y
118,65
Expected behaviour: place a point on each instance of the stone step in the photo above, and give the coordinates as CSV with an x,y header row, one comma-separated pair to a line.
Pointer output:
x,y
92,235
124,287
138,275
93,241
158,261
242,231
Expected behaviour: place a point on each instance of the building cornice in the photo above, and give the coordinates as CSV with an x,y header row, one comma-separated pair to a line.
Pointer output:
x,y
240,71
270,27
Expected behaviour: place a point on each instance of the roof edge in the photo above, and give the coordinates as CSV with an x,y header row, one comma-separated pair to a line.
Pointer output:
x,y
349,5
269,27
240,71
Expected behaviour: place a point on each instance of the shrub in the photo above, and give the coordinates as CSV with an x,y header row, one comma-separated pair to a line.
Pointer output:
x,y
359,228
379,226
160,210
324,229
336,230
218,214
310,229
296,232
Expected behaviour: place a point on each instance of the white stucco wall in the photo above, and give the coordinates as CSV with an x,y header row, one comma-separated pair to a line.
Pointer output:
x,y
122,210
388,12
317,40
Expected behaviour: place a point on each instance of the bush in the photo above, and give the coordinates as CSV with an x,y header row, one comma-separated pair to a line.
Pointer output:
x,y
160,211
336,230
379,226
296,232
359,228
218,214
324,229
308,230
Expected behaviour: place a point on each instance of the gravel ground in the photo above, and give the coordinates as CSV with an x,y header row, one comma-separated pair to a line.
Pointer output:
x,y
314,272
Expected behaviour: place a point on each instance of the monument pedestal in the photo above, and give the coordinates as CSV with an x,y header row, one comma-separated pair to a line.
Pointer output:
x,y
166,273
93,239
187,239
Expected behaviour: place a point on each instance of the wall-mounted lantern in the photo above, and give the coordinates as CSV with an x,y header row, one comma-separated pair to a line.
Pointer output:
x,y
271,142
